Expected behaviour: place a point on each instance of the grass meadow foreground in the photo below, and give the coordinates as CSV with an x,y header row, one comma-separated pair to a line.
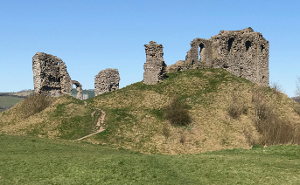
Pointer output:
x,y
33,160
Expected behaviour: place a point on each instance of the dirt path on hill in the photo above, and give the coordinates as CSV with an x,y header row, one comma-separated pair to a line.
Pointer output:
x,y
100,120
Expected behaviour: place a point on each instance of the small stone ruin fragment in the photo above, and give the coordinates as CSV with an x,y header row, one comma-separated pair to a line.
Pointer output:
x,y
78,88
107,80
154,66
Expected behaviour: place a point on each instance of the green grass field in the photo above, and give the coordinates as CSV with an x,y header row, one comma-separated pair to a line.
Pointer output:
x,y
9,101
31,160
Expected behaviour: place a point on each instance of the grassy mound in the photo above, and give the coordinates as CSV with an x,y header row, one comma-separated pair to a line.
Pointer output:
x,y
224,112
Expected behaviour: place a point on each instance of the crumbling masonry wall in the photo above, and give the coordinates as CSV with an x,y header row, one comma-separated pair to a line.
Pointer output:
x,y
50,76
107,80
154,66
244,53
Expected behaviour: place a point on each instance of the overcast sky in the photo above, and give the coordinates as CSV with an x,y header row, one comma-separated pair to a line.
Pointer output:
x,y
92,35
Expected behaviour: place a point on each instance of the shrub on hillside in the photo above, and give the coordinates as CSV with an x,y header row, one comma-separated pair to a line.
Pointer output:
x,y
35,104
276,89
236,108
177,113
182,138
273,129
166,131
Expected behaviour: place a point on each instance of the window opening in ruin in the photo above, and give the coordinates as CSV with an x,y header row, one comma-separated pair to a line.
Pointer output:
x,y
225,66
230,41
262,48
201,46
74,90
241,72
57,62
248,45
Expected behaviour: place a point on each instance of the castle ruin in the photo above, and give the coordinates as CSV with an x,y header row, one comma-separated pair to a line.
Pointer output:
x,y
50,76
154,66
243,53
107,80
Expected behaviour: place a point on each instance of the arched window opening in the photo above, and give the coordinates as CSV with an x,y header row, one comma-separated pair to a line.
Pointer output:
x,y
230,41
261,48
78,89
248,45
74,90
241,72
201,46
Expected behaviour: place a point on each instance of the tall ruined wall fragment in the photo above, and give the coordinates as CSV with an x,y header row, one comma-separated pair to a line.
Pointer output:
x,y
107,80
244,53
154,66
50,75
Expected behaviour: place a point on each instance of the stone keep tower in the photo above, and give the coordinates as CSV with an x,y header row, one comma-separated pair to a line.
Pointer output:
x,y
107,80
155,66
244,53
50,76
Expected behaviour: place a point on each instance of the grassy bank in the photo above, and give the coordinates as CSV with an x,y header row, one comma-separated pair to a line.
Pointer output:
x,y
31,160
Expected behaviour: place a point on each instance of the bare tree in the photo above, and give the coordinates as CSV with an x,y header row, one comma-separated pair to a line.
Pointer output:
x,y
276,86
297,92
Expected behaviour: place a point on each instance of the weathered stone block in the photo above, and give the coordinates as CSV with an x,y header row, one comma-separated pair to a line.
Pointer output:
x,y
107,80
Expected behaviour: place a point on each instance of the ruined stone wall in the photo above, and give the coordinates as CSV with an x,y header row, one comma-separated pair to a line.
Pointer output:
x,y
244,53
50,75
154,66
107,80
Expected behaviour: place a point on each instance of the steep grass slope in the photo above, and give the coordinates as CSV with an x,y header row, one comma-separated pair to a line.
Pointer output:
x,y
226,111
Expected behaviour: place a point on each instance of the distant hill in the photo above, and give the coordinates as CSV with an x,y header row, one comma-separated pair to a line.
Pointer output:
x,y
24,93
226,112
297,99
7,100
